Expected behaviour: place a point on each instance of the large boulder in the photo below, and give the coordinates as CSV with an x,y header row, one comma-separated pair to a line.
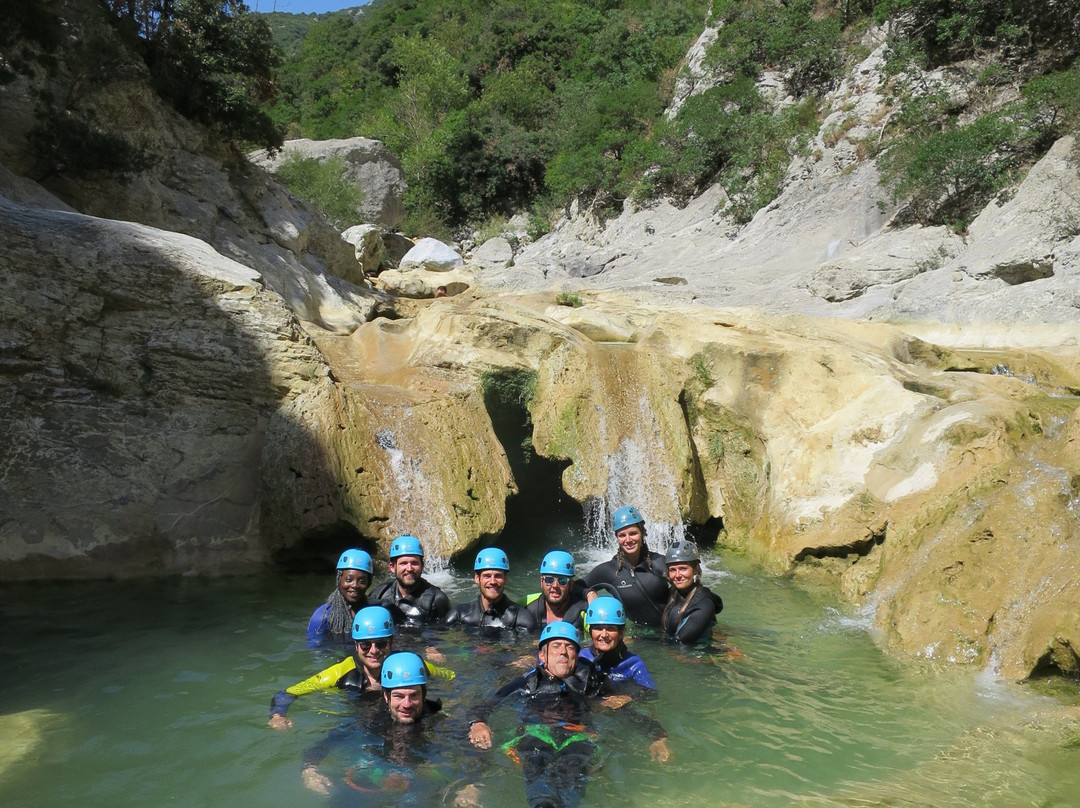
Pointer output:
x,y
368,164
432,255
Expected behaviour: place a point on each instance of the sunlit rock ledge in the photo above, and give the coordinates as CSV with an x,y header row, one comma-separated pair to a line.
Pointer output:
x,y
167,412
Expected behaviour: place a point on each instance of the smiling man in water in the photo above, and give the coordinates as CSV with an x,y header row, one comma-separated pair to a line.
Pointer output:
x,y
413,600
492,611
400,731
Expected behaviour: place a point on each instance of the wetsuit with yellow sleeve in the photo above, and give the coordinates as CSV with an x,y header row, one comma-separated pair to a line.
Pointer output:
x,y
344,675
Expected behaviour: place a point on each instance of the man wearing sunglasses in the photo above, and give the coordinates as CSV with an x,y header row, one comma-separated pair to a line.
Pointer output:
x,y
373,641
561,597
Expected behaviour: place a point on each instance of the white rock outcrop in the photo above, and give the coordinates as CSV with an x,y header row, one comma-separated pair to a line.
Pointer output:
x,y
432,255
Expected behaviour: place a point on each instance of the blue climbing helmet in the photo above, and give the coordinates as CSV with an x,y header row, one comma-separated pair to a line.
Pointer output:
x,y
626,516
558,562
355,559
403,669
606,611
491,558
406,545
559,629
372,623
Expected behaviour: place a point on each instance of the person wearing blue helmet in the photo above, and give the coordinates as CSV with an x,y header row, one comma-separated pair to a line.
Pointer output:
x,y
492,611
561,596
333,619
608,653
373,641
555,748
637,574
413,600
389,751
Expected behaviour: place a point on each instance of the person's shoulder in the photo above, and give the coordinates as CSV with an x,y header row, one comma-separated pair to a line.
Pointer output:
x,y
380,592
428,586
602,572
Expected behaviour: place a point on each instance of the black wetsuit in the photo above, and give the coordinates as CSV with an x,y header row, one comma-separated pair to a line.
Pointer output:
x,y
385,763
575,612
643,588
554,750
694,622
425,605
504,614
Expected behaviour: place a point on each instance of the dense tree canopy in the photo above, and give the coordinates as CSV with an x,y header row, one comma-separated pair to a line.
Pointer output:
x,y
212,59
496,106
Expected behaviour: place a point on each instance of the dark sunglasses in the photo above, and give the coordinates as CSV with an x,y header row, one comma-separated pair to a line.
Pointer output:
x,y
550,579
364,645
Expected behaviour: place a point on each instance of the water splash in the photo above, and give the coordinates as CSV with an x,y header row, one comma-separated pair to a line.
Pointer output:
x,y
414,507
637,475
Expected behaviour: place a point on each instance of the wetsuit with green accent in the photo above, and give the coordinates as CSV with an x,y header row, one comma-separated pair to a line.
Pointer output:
x,y
345,675
552,745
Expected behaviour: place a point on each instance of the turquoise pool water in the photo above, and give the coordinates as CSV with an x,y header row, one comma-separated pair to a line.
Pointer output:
x,y
144,693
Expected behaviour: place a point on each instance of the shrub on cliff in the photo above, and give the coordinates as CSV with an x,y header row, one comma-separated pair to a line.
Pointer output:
x,y
946,171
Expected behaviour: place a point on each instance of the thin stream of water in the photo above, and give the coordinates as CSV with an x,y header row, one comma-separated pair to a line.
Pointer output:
x,y
155,692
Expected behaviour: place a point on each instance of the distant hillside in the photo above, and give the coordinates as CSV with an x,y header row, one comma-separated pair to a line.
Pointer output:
x,y
500,107
290,29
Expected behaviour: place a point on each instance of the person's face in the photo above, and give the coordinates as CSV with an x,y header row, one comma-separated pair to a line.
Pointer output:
x,y
405,703
407,569
681,575
353,586
559,657
629,539
372,653
555,588
606,638
491,583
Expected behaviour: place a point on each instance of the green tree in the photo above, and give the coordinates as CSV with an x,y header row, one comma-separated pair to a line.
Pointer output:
x,y
212,59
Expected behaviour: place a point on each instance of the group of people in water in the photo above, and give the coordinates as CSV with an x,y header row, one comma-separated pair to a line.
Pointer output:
x,y
581,655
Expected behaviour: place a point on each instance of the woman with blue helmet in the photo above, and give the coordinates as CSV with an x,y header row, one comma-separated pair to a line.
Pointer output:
x,y
333,619
637,574
606,620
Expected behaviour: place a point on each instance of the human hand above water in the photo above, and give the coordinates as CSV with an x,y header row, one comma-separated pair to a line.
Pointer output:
x,y
315,780
280,722
616,702
480,735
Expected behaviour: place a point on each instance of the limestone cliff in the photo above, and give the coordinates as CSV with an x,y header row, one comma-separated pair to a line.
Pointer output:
x,y
194,377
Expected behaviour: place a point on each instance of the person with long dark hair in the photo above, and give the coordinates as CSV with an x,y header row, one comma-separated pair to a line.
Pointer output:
x,y
691,610
635,572
334,618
